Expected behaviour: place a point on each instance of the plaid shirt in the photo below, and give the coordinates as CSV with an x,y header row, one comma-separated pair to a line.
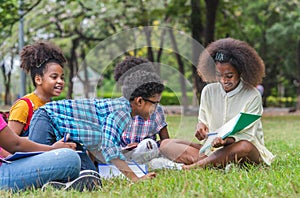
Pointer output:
x,y
98,124
140,129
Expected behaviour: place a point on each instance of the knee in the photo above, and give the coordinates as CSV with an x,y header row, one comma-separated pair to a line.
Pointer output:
x,y
69,156
245,146
164,143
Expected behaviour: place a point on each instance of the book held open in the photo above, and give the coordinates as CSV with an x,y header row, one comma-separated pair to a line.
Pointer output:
x,y
233,126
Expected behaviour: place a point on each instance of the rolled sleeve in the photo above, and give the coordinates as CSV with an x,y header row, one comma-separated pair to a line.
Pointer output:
x,y
160,119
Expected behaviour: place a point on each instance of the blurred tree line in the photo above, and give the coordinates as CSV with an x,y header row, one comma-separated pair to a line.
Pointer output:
x,y
78,26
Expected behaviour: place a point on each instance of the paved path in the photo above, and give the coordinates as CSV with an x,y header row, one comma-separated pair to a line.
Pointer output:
x,y
194,110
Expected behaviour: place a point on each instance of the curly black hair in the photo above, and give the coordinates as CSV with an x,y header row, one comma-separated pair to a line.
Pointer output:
x,y
237,53
129,63
141,84
34,58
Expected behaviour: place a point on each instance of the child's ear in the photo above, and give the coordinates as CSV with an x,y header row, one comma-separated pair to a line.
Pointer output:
x,y
38,80
138,100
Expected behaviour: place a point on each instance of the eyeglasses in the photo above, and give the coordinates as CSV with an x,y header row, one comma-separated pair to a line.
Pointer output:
x,y
153,102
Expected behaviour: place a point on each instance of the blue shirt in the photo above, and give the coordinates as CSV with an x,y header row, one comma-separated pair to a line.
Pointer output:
x,y
97,123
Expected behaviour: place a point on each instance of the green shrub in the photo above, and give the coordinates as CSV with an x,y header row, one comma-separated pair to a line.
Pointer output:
x,y
172,98
273,101
168,98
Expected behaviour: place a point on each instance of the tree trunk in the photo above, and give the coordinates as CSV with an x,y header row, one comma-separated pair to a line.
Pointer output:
x,y
211,11
298,87
149,48
181,70
7,96
263,53
7,78
85,81
160,51
73,65
197,30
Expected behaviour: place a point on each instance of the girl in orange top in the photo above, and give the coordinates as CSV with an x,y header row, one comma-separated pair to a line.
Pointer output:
x,y
44,61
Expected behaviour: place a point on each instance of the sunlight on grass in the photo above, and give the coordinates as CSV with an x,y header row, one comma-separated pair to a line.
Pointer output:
x,y
182,127
280,180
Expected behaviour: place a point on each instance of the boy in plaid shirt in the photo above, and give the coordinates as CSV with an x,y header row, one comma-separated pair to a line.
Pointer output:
x,y
99,123
141,133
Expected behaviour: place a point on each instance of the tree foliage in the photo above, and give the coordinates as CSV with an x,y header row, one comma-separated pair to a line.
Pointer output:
x,y
272,28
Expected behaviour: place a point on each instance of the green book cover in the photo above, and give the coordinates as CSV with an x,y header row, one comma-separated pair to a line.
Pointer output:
x,y
236,124
244,120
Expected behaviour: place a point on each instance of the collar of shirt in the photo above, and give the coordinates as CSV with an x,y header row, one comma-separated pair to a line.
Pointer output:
x,y
233,92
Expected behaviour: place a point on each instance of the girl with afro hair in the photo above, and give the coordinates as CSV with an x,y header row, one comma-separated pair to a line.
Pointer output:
x,y
234,70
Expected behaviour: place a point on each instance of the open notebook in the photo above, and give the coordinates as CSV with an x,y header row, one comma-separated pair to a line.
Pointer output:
x,y
236,124
108,171
20,155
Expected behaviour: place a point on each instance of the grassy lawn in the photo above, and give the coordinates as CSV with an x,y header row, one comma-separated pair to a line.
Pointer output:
x,y
282,179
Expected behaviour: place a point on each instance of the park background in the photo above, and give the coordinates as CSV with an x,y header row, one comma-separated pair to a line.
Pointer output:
x,y
95,35
168,32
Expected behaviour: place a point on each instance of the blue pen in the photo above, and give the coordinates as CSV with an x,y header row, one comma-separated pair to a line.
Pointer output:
x,y
139,167
209,134
65,137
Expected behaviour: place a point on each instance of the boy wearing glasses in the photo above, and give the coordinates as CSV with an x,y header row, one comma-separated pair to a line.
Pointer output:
x,y
141,133
99,123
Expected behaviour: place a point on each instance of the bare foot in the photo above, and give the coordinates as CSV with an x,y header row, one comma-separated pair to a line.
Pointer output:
x,y
188,167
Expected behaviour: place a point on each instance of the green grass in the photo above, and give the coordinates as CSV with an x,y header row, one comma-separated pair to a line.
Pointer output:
x,y
282,179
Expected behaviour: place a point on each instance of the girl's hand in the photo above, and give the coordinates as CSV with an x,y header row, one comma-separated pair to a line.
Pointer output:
x,y
201,131
218,142
62,144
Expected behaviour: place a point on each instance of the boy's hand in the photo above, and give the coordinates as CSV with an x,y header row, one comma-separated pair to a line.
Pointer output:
x,y
150,175
130,146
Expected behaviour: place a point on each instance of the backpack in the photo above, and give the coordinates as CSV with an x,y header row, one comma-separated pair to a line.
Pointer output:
x,y
5,114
